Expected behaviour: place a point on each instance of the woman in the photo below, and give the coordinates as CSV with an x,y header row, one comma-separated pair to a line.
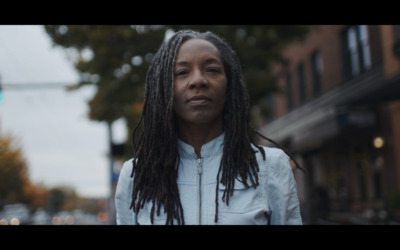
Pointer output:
x,y
195,161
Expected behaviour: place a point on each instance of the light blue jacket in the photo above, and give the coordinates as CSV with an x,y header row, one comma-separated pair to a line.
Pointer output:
x,y
275,197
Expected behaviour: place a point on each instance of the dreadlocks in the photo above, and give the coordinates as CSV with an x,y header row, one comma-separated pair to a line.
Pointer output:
x,y
156,155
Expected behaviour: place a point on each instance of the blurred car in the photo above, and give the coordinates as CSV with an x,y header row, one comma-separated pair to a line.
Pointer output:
x,y
15,214
40,217
63,218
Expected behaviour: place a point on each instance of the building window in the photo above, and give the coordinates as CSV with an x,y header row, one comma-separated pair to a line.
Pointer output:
x,y
289,91
356,50
302,83
364,47
396,40
316,67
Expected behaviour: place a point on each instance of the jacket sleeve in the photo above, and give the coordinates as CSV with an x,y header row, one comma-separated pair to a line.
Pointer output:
x,y
123,197
282,192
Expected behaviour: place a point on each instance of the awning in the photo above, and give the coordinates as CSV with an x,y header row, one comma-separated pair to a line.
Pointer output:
x,y
320,119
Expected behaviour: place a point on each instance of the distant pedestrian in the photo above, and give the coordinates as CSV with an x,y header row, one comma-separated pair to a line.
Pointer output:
x,y
195,161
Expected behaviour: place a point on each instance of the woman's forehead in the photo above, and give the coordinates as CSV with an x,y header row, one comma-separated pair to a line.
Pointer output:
x,y
196,47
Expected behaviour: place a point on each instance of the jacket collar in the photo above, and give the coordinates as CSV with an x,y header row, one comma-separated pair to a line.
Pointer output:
x,y
212,148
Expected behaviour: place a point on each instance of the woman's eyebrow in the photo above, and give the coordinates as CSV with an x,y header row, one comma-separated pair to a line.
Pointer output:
x,y
207,61
182,63
212,60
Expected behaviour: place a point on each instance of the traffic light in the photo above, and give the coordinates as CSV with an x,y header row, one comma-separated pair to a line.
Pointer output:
x,y
118,150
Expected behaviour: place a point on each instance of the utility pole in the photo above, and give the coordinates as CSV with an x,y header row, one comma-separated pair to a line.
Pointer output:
x,y
1,91
111,207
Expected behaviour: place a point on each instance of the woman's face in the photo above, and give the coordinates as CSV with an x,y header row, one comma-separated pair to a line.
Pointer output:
x,y
200,83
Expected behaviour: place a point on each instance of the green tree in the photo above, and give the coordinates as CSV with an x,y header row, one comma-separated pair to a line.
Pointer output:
x,y
121,55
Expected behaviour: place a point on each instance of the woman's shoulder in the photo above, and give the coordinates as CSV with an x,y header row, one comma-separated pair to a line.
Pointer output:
x,y
126,169
271,154
274,158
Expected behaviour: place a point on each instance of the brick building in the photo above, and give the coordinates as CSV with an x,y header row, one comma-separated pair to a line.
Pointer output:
x,y
339,114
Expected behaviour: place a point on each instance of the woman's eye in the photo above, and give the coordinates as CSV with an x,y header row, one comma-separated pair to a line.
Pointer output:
x,y
213,70
181,72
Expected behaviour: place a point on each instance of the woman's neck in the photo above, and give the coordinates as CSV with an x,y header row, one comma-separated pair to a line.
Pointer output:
x,y
198,135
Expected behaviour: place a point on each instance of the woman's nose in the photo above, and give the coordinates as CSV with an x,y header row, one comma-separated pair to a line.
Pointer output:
x,y
198,81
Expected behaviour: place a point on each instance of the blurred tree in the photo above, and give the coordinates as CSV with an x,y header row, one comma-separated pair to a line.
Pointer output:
x,y
62,199
16,186
36,195
13,172
116,59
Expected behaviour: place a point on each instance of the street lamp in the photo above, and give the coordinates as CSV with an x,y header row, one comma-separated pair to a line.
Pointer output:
x,y
378,142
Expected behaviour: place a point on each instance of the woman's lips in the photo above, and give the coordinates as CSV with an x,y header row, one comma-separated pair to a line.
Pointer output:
x,y
198,100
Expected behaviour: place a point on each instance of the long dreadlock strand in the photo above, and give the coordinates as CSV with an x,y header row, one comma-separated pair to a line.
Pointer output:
x,y
154,168
283,149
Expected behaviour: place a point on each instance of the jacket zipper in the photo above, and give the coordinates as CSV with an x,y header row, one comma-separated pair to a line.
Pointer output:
x,y
199,169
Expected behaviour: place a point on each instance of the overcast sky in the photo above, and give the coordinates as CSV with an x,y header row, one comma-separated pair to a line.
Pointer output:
x,y
61,145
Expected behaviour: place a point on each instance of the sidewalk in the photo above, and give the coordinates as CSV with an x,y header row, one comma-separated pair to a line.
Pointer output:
x,y
353,218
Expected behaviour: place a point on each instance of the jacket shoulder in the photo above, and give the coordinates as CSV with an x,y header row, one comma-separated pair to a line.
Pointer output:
x,y
127,167
123,195
274,157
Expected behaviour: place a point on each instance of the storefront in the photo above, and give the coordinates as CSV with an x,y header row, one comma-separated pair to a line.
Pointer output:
x,y
346,139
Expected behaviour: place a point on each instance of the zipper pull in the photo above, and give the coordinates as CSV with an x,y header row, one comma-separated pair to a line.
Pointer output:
x,y
199,160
